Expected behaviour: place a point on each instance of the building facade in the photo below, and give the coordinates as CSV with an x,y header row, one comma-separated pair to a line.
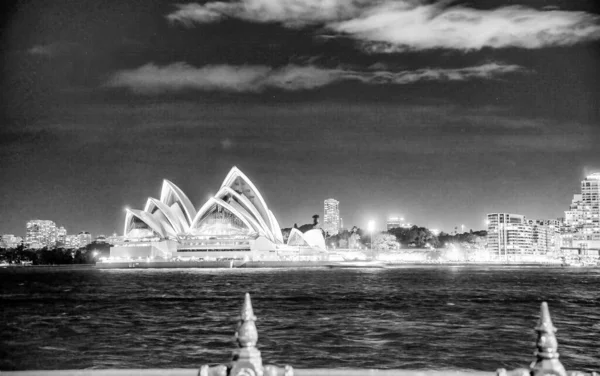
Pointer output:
x,y
331,216
84,238
513,237
581,228
40,233
71,241
393,222
61,235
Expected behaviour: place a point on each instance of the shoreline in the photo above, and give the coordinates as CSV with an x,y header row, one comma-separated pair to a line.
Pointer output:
x,y
277,264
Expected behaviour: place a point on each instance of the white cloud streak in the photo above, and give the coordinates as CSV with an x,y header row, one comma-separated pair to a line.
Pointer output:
x,y
152,79
423,27
291,13
397,25
52,49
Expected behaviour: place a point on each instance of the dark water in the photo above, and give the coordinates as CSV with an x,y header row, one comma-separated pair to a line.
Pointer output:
x,y
437,318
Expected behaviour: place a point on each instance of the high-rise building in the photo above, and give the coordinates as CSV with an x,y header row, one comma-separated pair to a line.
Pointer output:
x,y
341,224
61,235
85,238
331,216
393,222
72,241
40,233
546,236
582,220
513,236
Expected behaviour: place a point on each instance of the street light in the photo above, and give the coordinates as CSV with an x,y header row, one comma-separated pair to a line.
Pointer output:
x,y
371,228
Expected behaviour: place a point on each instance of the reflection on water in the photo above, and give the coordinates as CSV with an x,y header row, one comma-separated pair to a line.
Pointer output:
x,y
476,318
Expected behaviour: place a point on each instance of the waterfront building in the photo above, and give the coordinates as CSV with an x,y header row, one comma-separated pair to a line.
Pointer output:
x,y
85,238
61,235
331,216
514,237
397,222
40,233
234,224
581,228
72,241
393,222
114,238
10,241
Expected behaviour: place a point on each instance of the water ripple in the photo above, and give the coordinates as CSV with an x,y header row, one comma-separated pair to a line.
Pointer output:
x,y
436,318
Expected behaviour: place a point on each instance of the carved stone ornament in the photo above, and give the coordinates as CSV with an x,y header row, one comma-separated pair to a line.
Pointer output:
x,y
547,363
246,360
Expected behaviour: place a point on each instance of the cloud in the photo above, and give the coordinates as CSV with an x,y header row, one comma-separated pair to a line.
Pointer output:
x,y
564,142
392,27
52,49
397,25
152,79
291,13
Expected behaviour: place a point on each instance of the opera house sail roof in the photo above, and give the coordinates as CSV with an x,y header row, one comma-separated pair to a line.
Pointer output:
x,y
237,211
234,224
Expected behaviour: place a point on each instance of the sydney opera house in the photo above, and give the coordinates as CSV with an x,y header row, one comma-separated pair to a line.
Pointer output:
x,y
234,224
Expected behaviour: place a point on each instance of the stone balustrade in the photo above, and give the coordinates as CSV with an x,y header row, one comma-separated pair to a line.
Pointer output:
x,y
247,360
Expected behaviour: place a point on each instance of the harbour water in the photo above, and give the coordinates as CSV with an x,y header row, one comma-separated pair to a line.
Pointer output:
x,y
411,317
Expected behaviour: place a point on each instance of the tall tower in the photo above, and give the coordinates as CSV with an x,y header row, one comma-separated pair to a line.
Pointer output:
x,y
331,216
61,235
40,233
582,220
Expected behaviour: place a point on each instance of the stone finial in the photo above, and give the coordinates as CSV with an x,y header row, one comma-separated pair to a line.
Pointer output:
x,y
246,360
547,362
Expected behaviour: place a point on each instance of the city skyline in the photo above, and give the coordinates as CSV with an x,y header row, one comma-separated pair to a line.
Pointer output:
x,y
312,99
387,219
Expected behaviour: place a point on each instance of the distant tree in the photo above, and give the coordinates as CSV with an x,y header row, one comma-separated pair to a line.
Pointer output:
x,y
315,220
385,242
311,226
354,240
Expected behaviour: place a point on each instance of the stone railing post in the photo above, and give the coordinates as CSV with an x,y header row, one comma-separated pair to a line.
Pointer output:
x,y
247,360
546,362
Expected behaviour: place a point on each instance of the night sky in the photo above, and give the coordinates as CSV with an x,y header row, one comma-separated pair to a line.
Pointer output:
x,y
439,112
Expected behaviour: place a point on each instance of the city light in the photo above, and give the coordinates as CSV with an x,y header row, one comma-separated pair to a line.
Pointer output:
x,y
371,226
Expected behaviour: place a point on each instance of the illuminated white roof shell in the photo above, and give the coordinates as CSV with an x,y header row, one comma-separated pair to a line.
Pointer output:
x,y
174,214
259,203
179,196
315,238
